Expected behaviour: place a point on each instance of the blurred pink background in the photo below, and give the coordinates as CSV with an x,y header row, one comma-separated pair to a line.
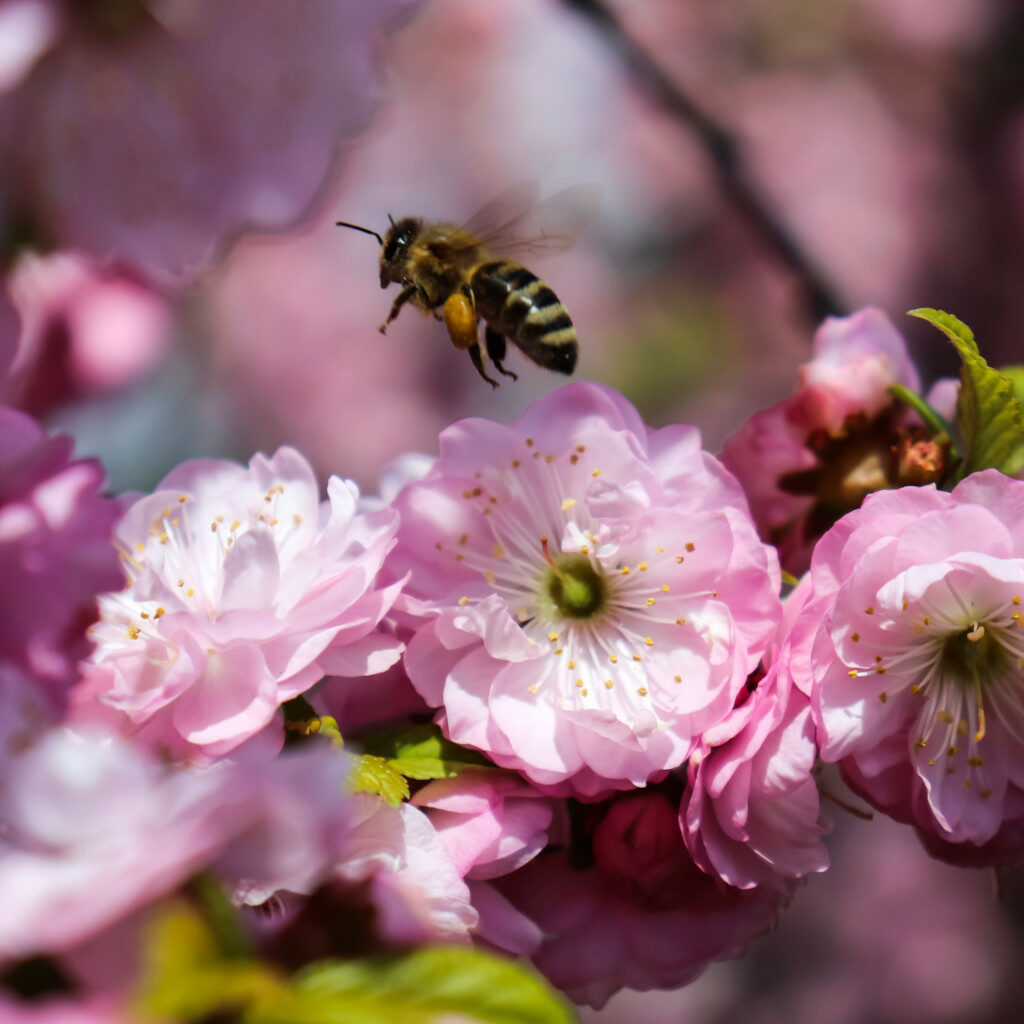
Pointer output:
x,y
146,314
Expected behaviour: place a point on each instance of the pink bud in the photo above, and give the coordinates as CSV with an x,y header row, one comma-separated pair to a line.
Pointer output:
x,y
639,842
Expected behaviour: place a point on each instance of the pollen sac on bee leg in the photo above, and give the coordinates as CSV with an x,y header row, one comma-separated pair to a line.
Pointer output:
x,y
461,321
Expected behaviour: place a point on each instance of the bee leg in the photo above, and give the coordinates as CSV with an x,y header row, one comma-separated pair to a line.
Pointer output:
x,y
461,320
401,299
477,355
496,349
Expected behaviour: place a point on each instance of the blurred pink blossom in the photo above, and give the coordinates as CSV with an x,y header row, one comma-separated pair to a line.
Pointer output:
x,y
151,131
600,937
85,328
915,600
27,28
243,591
415,886
55,552
595,592
490,822
811,457
95,828
101,1010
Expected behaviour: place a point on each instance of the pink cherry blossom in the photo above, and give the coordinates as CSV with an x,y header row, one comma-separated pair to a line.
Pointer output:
x,y
415,886
751,813
55,552
605,928
594,591
95,829
915,603
491,823
85,327
63,1011
151,131
243,591
806,460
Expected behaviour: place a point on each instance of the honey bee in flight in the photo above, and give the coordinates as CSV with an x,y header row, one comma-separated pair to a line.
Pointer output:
x,y
470,273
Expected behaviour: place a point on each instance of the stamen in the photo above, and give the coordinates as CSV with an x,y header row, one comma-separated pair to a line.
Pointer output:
x,y
980,734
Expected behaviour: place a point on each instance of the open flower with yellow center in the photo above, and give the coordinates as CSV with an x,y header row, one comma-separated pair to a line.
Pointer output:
x,y
918,663
243,590
592,593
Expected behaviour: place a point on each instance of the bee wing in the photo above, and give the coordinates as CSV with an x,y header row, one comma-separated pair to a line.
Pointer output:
x,y
517,224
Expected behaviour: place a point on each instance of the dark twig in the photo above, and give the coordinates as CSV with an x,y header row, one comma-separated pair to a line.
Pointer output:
x,y
721,148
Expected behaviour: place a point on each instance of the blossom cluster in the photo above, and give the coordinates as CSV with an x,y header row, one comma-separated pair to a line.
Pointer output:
x,y
581,723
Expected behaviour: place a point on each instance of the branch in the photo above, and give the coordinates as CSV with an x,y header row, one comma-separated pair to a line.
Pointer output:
x,y
722,149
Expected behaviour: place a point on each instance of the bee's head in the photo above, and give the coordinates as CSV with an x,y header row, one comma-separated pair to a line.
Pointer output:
x,y
394,253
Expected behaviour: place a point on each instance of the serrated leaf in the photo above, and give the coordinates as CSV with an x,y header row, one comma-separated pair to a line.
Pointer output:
x,y
1015,375
372,774
424,987
988,413
422,752
955,329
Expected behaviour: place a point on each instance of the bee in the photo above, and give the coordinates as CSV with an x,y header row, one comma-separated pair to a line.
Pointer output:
x,y
463,274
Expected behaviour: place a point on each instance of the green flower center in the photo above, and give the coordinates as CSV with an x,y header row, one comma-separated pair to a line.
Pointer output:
x,y
975,654
572,588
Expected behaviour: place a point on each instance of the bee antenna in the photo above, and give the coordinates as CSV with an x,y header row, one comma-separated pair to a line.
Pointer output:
x,y
356,227
392,219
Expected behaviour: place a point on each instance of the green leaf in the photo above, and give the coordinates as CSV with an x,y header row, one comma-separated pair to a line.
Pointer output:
x,y
930,417
422,752
186,977
988,413
424,987
375,775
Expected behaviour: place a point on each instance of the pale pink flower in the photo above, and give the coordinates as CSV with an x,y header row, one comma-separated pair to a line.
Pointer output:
x,y
751,813
595,592
608,927
64,1011
415,886
360,703
85,327
25,712
94,829
915,604
55,552
27,28
490,822
151,131
808,459
243,591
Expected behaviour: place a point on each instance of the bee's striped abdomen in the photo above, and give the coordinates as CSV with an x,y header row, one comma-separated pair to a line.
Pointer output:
x,y
517,304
